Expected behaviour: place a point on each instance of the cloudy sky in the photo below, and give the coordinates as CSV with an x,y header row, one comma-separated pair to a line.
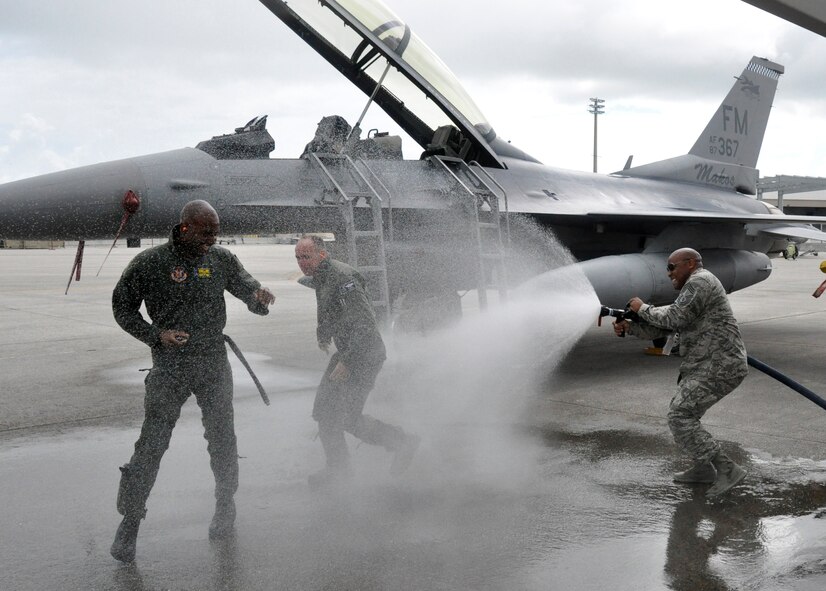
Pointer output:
x,y
86,81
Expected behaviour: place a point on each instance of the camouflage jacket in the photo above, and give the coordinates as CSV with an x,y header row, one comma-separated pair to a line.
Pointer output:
x,y
710,340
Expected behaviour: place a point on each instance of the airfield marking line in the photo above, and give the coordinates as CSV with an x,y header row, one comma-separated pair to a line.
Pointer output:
x,y
29,355
784,317
136,414
58,316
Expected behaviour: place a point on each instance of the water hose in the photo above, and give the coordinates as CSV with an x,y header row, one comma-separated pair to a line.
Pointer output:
x,y
783,379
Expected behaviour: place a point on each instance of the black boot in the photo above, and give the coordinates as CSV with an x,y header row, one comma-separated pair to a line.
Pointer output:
x,y
126,538
223,522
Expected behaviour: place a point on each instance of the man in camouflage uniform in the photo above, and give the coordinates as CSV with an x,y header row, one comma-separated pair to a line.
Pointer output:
x,y
346,318
182,284
713,363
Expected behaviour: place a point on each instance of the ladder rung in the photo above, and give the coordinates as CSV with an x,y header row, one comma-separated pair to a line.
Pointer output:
x,y
339,174
490,225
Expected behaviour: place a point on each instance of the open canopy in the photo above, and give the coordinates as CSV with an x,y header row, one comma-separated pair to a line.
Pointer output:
x,y
380,54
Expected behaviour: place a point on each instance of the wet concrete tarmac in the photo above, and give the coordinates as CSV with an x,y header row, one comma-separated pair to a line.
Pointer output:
x,y
562,486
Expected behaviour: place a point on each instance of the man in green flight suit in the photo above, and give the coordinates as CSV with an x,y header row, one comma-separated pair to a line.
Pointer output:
x,y
713,363
182,284
346,318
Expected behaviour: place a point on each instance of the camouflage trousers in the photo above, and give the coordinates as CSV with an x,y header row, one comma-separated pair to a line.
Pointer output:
x,y
696,393
209,379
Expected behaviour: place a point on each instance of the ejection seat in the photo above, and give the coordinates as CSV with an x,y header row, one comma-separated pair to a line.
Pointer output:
x,y
378,146
447,141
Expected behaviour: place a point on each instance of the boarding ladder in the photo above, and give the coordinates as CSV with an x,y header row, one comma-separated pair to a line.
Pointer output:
x,y
344,185
478,198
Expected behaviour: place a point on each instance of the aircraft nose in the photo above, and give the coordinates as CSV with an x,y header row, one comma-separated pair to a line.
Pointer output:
x,y
82,203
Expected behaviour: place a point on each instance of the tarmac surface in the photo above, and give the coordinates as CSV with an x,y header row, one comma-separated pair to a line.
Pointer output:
x,y
546,460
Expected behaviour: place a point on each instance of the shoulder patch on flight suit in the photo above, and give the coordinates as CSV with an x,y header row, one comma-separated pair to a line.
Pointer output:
x,y
178,275
685,297
349,286
343,290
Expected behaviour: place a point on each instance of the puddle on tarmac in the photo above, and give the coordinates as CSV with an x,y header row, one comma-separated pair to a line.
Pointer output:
x,y
586,511
767,534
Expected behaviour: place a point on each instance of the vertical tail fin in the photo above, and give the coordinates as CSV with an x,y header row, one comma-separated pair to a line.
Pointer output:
x,y
735,133
725,154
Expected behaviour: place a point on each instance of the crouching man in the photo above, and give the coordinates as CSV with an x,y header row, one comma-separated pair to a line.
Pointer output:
x,y
713,363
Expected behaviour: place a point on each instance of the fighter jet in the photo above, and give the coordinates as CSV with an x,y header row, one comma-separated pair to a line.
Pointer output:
x,y
452,219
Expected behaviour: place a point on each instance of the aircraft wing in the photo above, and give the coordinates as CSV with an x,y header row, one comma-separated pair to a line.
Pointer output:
x,y
783,226
703,216
808,232
775,225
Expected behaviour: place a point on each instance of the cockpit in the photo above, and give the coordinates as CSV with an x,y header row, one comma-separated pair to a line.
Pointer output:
x,y
382,56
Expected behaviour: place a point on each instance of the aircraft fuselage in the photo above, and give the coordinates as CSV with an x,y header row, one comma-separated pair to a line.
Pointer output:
x,y
284,195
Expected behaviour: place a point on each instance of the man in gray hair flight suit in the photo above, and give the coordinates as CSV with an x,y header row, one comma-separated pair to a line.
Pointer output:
x,y
346,319
713,363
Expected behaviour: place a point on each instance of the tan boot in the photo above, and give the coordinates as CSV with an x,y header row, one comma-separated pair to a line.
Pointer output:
x,y
729,475
702,473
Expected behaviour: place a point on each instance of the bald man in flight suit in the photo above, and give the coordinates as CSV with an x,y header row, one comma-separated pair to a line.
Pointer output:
x,y
182,284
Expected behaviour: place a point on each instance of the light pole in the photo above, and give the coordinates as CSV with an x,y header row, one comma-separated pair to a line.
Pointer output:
x,y
596,107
